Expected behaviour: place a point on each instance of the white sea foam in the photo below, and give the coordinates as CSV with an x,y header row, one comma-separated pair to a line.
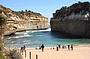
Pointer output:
x,y
28,31
49,29
25,34
20,36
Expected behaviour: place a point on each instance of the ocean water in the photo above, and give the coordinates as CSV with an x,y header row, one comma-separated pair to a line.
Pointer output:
x,y
38,37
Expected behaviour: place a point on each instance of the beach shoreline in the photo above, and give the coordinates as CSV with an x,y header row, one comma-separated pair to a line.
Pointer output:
x,y
78,52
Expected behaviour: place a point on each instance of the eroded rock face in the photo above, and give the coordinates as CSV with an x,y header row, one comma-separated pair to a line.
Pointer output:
x,y
73,21
17,21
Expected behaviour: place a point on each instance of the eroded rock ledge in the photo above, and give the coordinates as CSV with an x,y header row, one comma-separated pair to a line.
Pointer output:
x,y
22,20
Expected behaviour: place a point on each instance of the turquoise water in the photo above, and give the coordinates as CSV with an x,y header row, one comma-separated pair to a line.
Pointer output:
x,y
36,38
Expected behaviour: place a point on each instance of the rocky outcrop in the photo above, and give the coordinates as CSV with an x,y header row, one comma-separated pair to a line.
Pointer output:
x,y
73,21
22,20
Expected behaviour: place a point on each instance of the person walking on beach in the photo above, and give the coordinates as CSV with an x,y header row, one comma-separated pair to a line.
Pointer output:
x,y
21,50
42,47
59,46
68,47
24,47
71,47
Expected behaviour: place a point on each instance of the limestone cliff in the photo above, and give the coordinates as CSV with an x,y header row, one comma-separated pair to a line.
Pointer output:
x,y
22,20
72,21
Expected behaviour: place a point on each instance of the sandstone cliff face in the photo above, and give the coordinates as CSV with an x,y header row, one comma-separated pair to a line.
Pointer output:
x,y
73,23
17,21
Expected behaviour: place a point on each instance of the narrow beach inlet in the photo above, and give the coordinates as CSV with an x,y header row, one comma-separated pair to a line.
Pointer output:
x,y
45,29
81,47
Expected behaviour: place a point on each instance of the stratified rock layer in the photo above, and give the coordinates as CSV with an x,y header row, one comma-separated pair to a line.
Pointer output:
x,y
22,20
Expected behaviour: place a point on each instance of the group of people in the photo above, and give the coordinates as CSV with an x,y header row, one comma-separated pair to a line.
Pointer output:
x,y
24,47
70,47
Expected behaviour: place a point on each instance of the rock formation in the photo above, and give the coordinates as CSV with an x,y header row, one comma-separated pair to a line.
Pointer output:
x,y
22,20
72,21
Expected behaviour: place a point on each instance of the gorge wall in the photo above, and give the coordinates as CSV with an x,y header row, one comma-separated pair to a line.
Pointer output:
x,y
22,20
72,21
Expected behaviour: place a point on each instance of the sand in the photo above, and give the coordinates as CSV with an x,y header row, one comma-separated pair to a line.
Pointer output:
x,y
79,52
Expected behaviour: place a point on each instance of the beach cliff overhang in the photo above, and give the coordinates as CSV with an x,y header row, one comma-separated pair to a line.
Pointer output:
x,y
72,21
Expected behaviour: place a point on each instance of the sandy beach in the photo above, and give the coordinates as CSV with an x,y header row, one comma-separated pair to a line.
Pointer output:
x,y
78,52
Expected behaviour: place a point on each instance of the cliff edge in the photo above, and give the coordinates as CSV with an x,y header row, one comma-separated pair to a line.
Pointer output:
x,y
22,20
72,21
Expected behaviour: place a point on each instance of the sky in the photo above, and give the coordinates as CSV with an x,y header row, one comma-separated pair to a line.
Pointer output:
x,y
45,7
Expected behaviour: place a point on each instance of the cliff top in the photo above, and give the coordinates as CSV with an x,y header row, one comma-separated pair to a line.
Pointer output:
x,y
18,13
77,8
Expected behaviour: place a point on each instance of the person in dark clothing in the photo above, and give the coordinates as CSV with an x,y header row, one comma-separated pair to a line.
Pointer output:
x,y
21,50
68,47
42,47
24,47
59,46
71,47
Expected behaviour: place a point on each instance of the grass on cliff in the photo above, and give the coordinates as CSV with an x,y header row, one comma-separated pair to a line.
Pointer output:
x,y
1,53
2,56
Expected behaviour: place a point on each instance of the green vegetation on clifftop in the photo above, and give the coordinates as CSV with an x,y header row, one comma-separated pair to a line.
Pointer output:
x,y
77,8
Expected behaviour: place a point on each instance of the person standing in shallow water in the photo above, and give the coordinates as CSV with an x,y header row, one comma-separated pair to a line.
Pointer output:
x,y
42,47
